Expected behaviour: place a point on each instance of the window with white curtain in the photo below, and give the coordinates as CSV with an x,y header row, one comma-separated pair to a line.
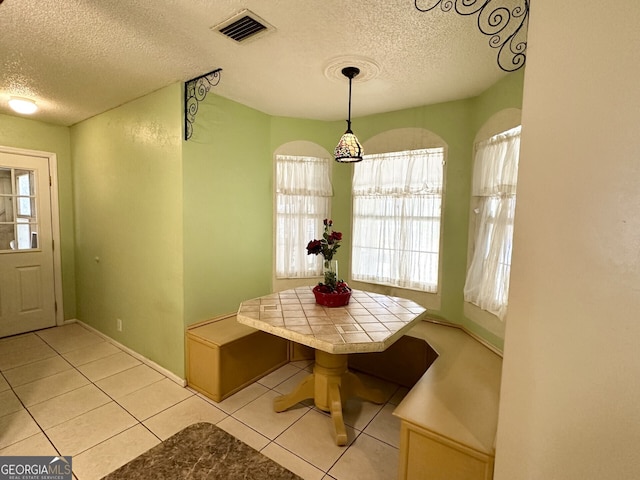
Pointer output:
x,y
303,201
397,203
495,175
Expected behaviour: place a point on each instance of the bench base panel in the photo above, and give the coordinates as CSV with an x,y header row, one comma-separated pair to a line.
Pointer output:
x,y
425,455
218,368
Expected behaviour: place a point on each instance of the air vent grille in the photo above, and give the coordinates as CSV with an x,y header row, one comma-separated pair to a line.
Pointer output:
x,y
243,28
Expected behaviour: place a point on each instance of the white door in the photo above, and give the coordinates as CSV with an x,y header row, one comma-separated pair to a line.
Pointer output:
x,y
27,288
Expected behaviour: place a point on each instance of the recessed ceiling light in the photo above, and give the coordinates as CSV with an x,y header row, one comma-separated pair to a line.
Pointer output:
x,y
23,105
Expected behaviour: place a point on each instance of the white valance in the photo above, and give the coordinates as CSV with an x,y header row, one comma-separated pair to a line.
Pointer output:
x,y
298,175
400,173
495,171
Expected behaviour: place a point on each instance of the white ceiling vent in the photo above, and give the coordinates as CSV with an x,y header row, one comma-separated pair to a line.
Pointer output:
x,y
243,26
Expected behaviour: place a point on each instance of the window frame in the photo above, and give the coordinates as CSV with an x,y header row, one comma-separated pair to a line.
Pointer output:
x,y
499,123
386,287
296,149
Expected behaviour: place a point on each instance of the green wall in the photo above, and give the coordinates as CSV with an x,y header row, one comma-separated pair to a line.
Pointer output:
x,y
166,233
325,134
29,134
228,209
451,122
127,170
507,93
457,124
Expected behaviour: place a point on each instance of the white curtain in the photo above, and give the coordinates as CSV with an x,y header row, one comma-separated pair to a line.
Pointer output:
x,y
397,201
303,201
495,177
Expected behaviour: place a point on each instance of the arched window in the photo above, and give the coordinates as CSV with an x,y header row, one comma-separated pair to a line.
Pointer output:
x,y
495,175
397,209
303,194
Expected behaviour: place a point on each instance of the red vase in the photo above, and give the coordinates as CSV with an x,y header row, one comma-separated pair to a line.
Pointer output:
x,y
331,299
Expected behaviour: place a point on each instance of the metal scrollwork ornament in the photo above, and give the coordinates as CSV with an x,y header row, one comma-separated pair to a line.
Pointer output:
x,y
195,90
505,25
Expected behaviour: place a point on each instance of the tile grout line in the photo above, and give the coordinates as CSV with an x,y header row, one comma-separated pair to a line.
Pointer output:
x,y
301,366
129,351
273,441
24,407
325,472
138,422
314,408
114,400
90,382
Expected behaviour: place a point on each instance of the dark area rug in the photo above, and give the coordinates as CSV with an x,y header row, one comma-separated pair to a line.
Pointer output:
x,y
202,451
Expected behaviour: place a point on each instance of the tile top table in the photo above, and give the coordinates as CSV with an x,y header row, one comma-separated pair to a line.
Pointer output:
x,y
371,322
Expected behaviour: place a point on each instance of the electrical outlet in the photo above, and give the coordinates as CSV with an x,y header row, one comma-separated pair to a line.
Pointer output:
x,y
118,324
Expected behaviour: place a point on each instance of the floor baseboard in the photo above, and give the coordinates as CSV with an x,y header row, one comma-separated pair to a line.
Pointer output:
x,y
150,363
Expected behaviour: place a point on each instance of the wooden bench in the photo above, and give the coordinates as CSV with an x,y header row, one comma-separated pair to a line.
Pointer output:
x,y
404,362
449,418
224,356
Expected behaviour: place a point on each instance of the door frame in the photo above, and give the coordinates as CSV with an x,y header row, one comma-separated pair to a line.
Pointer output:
x,y
52,160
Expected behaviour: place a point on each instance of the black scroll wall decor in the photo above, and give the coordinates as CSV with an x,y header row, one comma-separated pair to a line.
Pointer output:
x,y
506,26
195,90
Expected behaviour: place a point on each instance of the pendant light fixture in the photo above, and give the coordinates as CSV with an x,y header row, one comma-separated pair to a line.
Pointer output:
x,y
349,149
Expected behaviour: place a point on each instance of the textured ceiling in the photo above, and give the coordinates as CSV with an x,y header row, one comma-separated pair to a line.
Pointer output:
x,y
79,58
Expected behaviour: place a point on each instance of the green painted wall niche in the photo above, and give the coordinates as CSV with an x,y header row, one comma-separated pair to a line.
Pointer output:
x,y
456,123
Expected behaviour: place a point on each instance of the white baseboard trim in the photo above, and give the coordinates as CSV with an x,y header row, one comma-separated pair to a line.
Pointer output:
x,y
170,375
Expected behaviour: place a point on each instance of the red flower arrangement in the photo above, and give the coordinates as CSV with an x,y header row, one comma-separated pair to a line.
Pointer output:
x,y
327,247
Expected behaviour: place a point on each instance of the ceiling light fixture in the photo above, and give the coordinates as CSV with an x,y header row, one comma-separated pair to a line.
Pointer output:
x,y
349,149
23,105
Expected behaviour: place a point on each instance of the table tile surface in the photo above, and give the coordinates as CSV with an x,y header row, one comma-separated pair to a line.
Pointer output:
x,y
370,323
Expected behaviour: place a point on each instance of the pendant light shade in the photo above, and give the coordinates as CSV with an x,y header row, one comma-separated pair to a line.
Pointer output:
x,y
349,149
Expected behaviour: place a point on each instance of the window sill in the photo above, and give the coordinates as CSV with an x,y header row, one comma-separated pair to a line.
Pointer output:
x,y
430,301
280,284
486,320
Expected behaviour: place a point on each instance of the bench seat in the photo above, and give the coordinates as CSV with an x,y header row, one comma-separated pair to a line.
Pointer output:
x,y
449,418
224,356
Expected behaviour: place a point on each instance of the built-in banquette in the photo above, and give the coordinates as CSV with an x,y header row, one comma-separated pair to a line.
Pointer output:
x,y
449,417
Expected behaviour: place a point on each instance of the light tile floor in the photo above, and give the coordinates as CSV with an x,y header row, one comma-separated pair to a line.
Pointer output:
x,y
67,391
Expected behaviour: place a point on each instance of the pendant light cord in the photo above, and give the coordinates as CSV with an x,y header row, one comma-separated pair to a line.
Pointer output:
x,y
349,118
